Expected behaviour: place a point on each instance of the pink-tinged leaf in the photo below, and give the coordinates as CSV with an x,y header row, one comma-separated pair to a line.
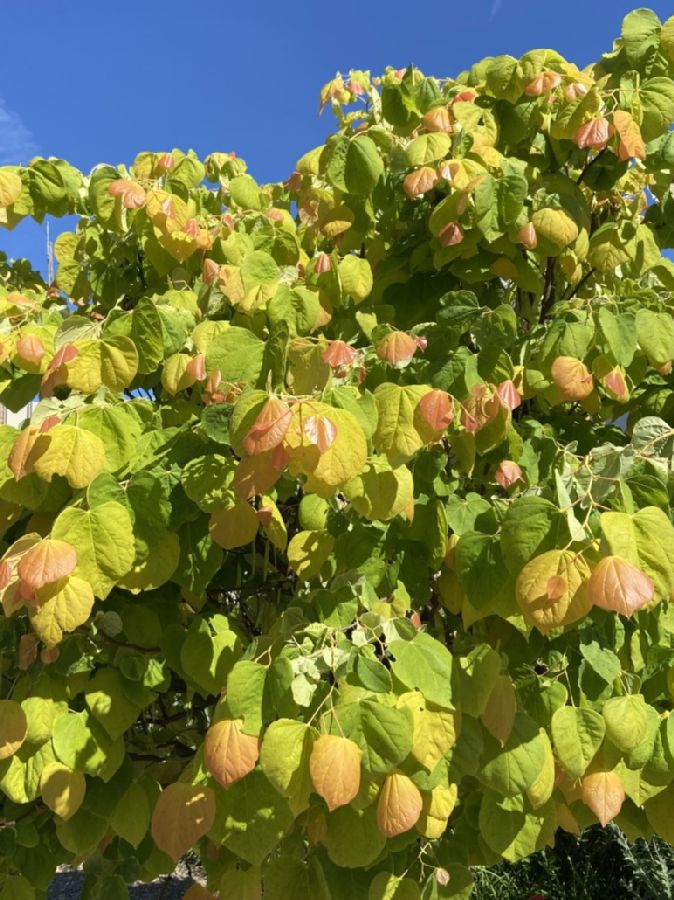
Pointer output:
x,y
27,651
396,347
437,409
323,264
556,587
422,342
166,162
442,877
467,96
279,458
48,423
594,134
191,228
338,354
210,271
527,236
269,427
508,473
132,194
257,474
451,234
30,348
419,182
320,431
618,586
481,408
543,84
508,395
575,91
665,368
196,367
56,373
615,384
448,170
48,561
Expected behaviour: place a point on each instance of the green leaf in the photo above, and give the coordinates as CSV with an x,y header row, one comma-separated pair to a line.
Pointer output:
x,y
641,37
383,733
103,539
425,665
284,759
577,735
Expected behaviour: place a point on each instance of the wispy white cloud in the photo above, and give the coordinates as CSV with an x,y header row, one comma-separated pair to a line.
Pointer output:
x,y
496,5
16,142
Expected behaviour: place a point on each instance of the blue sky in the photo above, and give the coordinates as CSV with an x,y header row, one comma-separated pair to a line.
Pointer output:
x,y
93,82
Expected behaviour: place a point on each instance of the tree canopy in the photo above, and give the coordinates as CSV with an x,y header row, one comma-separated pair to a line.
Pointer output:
x,y
338,546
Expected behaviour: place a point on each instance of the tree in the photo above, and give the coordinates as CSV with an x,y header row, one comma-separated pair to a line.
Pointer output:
x,y
339,545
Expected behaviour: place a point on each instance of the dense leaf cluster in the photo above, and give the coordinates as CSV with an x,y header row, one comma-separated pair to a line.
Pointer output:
x,y
339,545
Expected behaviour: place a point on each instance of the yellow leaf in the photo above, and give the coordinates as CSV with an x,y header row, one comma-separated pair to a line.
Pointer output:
x,y
330,468
272,523
396,434
110,361
13,728
604,793
356,277
434,730
62,789
555,225
66,450
399,805
10,187
229,754
334,765
552,589
438,805
235,526
540,790
182,815
499,714
308,551
380,491
62,606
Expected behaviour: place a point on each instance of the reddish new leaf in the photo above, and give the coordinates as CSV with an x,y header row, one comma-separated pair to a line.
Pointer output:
x,y
437,409
269,427
619,586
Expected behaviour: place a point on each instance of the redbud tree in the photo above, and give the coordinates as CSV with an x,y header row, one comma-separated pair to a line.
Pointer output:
x,y
338,547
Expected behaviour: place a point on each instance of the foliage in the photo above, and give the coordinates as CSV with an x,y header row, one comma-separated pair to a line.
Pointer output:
x,y
339,545
600,863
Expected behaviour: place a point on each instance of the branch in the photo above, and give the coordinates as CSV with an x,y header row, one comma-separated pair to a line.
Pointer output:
x,y
589,165
549,288
582,281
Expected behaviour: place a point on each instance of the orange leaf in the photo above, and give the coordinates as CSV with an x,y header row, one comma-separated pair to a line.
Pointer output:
x,y
234,526
572,378
399,806
618,586
335,769
256,474
604,794
30,348
527,236
182,815
420,181
229,754
437,409
631,142
451,234
438,119
269,428
46,562
396,347
19,460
